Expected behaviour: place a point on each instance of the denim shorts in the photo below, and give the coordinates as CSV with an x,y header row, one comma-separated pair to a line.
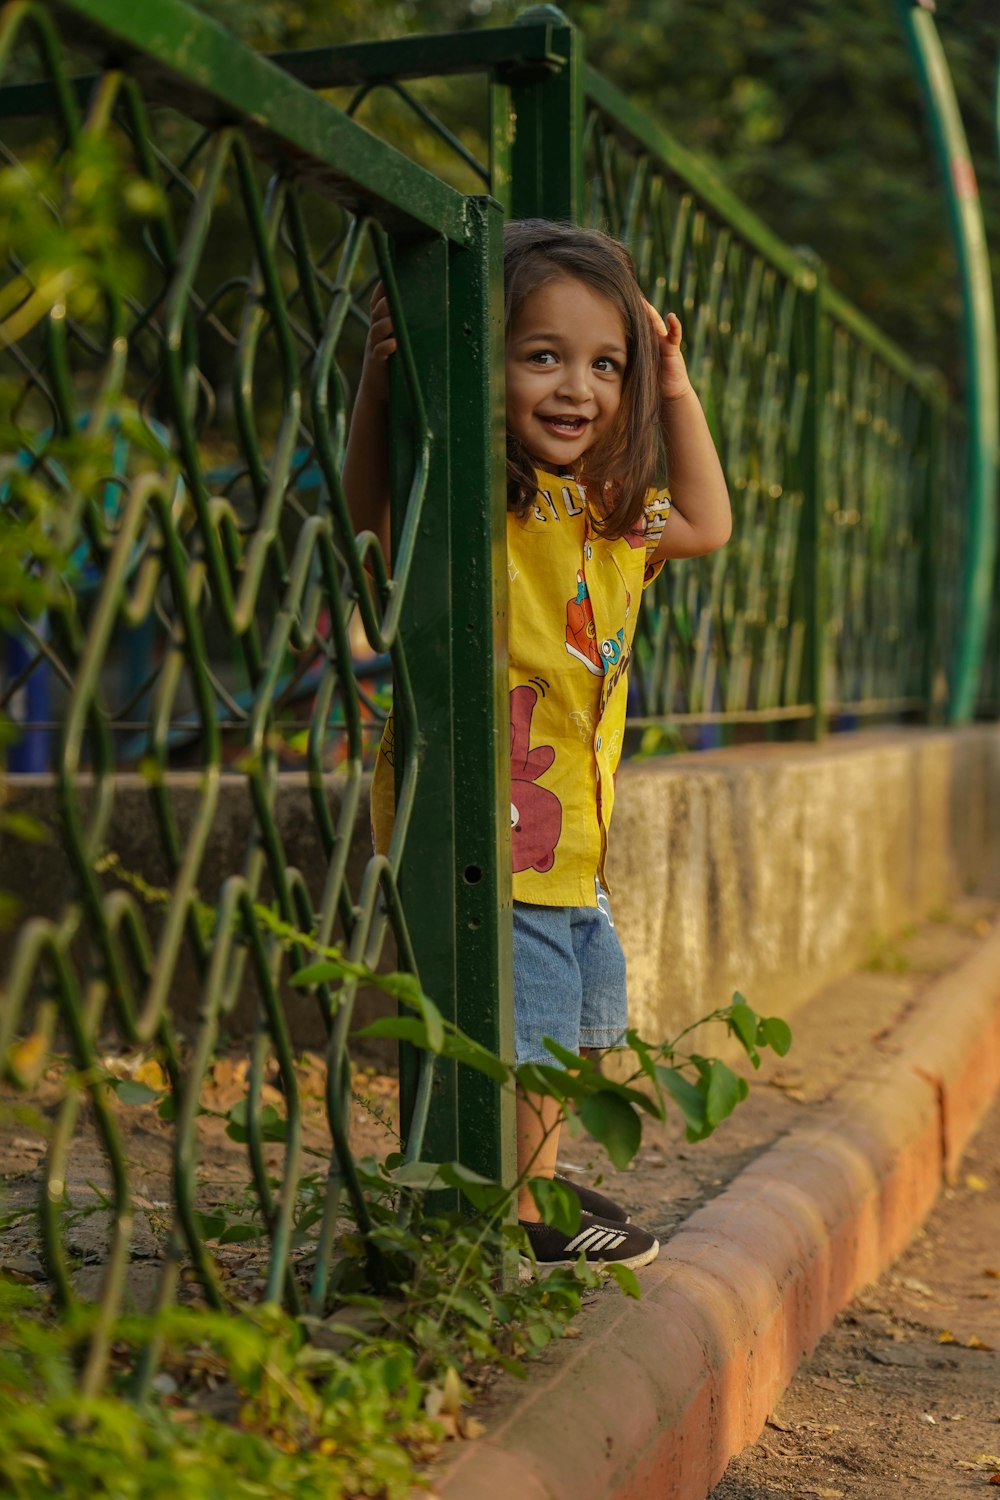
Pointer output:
x,y
569,979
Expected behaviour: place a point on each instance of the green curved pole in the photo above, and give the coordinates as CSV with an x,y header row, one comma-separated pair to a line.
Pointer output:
x,y
965,214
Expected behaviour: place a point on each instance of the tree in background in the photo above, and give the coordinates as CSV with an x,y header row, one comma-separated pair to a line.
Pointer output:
x,y
809,112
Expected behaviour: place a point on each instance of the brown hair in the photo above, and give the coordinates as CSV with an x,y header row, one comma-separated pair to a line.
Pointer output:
x,y
620,469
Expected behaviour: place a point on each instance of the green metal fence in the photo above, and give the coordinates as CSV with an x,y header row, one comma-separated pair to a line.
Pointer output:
x,y
839,598
221,614
213,390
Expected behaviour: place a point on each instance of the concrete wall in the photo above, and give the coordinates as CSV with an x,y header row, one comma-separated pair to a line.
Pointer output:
x,y
40,876
765,869
773,869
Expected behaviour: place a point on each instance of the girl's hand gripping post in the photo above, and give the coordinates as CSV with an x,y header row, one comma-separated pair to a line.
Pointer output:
x,y
365,474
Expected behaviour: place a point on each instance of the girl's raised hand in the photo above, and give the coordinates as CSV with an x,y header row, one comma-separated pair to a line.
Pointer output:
x,y
380,344
674,380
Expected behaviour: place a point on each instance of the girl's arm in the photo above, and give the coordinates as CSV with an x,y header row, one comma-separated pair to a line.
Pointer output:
x,y
365,475
700,520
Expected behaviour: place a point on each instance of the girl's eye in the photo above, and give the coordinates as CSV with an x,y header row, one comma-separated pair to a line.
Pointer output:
x,y
542,357
606,365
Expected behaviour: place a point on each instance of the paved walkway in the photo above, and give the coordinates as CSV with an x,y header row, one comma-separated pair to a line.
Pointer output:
x,y
827,1183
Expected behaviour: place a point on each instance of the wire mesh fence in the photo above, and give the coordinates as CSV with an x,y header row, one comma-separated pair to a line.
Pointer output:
x,y
174,429
175,412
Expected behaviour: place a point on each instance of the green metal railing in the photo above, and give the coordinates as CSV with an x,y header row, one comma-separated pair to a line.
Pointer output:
x,y
840,596
230,611
233,555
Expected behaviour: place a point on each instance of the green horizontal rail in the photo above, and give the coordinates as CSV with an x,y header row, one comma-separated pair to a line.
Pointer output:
x,y
186,59
647,137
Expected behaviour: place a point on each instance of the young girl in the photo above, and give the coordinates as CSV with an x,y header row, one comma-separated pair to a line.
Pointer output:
x,y
597,389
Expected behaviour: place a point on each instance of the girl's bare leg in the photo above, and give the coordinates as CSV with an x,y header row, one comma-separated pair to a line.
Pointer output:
x,y
539,1120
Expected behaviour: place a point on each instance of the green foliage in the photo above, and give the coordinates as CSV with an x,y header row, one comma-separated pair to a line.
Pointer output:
x,y
812,115
308,1421
67,226
809,112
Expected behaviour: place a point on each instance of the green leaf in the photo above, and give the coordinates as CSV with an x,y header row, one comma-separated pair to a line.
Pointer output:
x,y
403,1028
272,1126
472,1055
235,1234
566,1057
471,1309
404,987
552,1082
22,825
743,1021
491,1200
626,1279
613,1122
131,1092
420,1175
687,1098
725,1091
167,1108
456,1174
211,1225
775,1033
557,1203
434,1022
319,973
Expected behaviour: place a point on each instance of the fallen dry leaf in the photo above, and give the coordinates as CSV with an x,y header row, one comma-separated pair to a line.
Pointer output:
x,y
974,1342
947,1337
994,1479
151,1074
976,1184
993,1271
26,1058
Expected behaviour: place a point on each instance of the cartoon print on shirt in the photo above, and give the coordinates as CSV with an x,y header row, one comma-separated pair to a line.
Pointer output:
x,y
584,721
581,632
535,812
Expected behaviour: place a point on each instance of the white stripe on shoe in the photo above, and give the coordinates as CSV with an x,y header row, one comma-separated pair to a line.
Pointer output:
x,y
594,1238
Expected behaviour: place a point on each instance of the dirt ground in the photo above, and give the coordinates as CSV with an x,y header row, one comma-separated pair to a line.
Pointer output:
x,y
903,1393
850,1019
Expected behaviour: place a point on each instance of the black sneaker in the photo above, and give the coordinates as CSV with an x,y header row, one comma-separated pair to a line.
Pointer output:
x,y
601,1242
593,1202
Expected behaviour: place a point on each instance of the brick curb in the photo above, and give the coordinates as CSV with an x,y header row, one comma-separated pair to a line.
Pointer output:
x,y
655,1397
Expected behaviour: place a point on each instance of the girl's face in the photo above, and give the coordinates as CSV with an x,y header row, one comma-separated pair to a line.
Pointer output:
x,y
565,359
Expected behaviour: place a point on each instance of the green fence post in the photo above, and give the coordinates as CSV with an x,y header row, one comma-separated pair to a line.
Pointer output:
x,y
979,330
813,593
547,148
479,678
426,875
931,441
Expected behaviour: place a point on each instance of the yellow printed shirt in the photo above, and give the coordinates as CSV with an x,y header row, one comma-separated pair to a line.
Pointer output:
x,y
574,602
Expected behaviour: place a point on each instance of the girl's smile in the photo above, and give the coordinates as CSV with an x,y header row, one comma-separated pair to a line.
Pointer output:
x,y
566,357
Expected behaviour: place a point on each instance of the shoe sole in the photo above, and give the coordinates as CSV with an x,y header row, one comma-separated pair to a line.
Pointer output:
x,y
530,1270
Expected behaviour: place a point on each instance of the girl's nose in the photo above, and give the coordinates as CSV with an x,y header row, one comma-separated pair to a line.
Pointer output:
x,y
575,381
